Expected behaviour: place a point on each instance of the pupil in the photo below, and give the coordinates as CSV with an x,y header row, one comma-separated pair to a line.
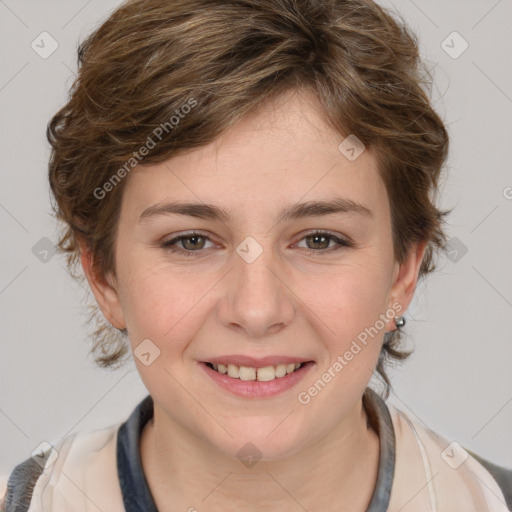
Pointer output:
x,y
316,238
194,239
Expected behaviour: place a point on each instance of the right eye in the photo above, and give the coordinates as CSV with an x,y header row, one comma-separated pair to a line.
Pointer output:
x,y
192,244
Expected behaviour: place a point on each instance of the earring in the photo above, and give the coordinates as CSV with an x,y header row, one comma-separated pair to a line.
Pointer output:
x,y
399,321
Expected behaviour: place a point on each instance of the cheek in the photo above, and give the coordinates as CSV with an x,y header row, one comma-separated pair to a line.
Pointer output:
x,y
352,306
353,296
163,309
157,304
353,314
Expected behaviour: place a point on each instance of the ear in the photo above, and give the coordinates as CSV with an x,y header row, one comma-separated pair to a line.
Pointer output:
x,y
405,278
103,289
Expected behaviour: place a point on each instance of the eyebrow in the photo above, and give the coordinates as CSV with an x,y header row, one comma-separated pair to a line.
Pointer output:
x,y
293,211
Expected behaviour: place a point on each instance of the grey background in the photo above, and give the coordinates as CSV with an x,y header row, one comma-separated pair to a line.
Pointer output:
x,y
459,380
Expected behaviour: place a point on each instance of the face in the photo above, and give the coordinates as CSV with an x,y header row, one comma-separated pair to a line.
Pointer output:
x,y
259,281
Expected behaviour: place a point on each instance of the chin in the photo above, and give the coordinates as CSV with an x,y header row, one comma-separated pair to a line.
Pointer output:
x,y
265,440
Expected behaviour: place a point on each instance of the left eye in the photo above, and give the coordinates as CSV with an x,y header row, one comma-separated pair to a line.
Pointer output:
x,y
321,237
193,243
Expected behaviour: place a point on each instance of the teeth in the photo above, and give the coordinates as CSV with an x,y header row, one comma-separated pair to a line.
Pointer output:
x,y
233,371
280,370
264,374
247,373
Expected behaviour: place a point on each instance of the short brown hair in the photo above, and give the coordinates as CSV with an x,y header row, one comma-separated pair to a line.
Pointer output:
x,y
151,57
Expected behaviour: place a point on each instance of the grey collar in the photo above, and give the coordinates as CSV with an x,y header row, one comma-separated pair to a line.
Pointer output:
x,y
380,420
135,489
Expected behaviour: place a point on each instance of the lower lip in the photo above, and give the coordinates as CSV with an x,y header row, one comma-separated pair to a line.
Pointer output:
x,y
255,388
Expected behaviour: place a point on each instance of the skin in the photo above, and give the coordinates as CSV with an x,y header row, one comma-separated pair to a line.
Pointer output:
x,y
321,456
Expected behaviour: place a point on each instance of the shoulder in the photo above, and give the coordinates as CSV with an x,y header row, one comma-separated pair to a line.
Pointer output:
x,y
78,468
454,476
502,475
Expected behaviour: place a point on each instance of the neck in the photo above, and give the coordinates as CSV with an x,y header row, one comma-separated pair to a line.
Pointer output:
x,y
338,472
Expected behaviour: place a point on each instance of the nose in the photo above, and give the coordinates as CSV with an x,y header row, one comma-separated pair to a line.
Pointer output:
x,y
257,301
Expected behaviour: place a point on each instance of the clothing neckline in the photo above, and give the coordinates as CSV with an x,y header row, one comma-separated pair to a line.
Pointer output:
x,y
135,489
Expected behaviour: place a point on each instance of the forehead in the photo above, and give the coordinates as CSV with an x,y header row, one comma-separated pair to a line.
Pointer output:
x,y
282,153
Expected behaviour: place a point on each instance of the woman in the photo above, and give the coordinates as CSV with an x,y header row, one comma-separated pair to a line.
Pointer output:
x,y
249,187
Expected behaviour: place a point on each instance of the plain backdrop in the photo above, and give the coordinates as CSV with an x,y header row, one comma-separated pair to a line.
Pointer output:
x,y
459,380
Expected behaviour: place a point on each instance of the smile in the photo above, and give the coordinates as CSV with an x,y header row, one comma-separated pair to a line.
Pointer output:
x,y
264,374
263,381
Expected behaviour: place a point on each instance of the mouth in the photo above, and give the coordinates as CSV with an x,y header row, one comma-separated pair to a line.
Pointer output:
x,y
249,373
262,381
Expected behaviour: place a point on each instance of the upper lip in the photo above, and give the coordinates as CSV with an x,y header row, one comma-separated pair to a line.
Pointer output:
x,y
256,362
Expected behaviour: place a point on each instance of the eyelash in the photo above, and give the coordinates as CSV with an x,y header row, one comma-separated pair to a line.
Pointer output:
x,y
341,244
